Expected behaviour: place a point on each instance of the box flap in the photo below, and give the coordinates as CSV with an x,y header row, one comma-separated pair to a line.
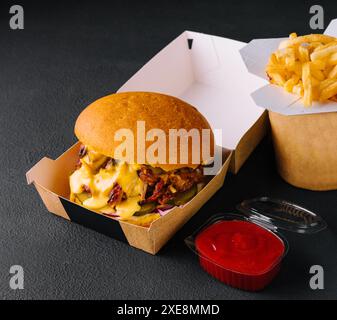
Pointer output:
x,y
256,55
331,30
208,72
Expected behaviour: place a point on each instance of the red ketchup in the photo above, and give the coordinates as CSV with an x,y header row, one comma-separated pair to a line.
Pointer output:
x,y
240,253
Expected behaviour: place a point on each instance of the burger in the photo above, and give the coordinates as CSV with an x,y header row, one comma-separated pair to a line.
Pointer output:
x,y
137,189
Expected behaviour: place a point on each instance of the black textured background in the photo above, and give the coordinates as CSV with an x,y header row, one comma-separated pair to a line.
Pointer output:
x,y
71,53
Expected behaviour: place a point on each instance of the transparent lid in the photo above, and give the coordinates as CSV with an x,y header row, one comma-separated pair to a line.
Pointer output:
x,y
275,213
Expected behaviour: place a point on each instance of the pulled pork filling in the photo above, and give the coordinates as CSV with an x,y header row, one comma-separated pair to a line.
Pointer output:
x,y
162,186
131,192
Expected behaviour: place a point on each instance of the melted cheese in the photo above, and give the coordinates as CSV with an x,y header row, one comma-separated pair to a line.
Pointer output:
x,y
102,182
127,178
96,202
93,159
144,220
79,178
127,208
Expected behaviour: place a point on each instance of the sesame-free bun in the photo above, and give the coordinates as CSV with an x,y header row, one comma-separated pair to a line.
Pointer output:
x,y
97,124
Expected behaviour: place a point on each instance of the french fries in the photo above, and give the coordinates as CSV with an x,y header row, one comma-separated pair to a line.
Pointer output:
x,y
306,66
307,84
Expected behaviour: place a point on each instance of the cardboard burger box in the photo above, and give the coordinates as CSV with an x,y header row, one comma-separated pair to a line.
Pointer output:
x,y
305,138
205,71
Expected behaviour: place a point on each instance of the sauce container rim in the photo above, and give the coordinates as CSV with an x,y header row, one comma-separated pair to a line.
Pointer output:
x,y
281,214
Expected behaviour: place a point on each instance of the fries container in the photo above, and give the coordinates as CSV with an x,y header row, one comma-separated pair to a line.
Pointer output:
x,y
204,70
266,216
306,149
305,138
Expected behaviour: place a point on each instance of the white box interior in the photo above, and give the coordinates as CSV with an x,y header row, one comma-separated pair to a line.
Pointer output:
x,y
211,76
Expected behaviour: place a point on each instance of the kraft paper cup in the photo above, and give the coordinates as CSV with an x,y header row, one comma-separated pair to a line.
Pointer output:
x,y
306,149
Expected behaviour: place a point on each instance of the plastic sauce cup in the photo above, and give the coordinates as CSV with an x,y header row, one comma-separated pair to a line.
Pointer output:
x,y
246,251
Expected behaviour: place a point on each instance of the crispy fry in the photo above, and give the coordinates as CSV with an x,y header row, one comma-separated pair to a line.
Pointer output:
x,y
306,66
315,44
277,78
276,68
333,73
307,84
298,89
293,35
333,58
303,54
319,64
290,57
308,38
325,46
315,82
325,84
323,53
289,84
273,59
318,74
329,91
